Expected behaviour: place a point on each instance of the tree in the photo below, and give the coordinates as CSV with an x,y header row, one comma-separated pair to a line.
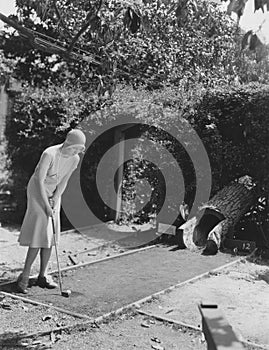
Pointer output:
x,y
216,219
148,42
133,40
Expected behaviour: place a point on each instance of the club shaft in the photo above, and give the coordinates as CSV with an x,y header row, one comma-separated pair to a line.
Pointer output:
x,y
56,252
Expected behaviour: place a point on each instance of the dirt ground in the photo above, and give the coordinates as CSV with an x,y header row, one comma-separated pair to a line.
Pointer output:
x,y
241,291
96,243
115,283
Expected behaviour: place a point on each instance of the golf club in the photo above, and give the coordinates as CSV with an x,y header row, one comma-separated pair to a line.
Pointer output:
x,y
66,293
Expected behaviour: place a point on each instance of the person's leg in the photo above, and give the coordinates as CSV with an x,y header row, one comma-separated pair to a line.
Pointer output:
x,y
30,258
45,254
44,280
23,279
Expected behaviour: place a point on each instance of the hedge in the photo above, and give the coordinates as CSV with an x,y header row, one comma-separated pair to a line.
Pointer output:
x,y
232,122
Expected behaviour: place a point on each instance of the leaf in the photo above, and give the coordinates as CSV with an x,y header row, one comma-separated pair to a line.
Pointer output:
x,y
6,306
128,17
42,8
52,337
132,20
135,24
145,325
255,42
237,6
155,339
246,40
182,11
46,317
259,4
157,347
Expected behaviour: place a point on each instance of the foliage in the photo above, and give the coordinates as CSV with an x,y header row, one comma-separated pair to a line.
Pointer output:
x,y
253,66
6,68
240,117
238,6
148,108
39,119
149,42
232,123
4,178
153,43
240,114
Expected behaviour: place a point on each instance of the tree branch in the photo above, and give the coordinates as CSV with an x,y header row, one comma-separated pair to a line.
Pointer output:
x,y
84,27
61,19
25,32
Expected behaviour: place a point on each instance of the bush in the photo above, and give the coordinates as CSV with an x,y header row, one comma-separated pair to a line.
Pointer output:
x,y
39,119
240,116
157,112
232,123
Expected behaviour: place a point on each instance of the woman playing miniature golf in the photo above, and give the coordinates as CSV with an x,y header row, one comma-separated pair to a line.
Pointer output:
x,y
44,192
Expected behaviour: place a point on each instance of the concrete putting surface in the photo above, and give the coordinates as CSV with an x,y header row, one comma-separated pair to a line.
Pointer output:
x,y
111,284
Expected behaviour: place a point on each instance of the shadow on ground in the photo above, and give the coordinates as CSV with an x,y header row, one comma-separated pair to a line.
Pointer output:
x,y
17,341
10,286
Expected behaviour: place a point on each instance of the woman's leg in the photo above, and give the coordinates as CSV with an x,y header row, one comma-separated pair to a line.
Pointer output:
x,y
44,280
30,258
23,279
45,254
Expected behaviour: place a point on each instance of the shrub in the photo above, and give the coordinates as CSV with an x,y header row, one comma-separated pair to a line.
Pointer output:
x,y
39,119
240,116
232,123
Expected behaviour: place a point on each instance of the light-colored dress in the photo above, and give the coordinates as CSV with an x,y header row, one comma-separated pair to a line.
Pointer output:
x,y
37,230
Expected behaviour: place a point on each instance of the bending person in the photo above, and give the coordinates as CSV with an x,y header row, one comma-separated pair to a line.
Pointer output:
x,y
44,191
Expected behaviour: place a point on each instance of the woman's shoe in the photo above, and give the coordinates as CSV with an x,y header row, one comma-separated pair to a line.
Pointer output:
x,y
46,282
22,284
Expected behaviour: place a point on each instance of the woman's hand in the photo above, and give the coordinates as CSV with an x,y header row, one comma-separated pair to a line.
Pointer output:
x,y
53,201
49,211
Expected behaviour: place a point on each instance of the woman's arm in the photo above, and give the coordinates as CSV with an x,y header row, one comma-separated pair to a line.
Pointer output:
x,y
63,183
60,189
41,173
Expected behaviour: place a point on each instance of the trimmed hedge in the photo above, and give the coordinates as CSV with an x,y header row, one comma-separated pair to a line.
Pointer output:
x,y
39,119
240,117
231,121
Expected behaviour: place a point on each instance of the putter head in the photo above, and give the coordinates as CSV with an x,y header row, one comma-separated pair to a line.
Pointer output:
x,y
66,293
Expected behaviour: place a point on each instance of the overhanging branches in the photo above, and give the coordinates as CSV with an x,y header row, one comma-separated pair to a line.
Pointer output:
x,y
49,44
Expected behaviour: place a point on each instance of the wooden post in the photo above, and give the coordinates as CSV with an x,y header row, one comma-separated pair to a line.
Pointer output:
x,y
3,110
218,332
118,138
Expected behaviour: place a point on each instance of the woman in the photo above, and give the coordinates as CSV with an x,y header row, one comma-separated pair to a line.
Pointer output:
x,y
44,192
